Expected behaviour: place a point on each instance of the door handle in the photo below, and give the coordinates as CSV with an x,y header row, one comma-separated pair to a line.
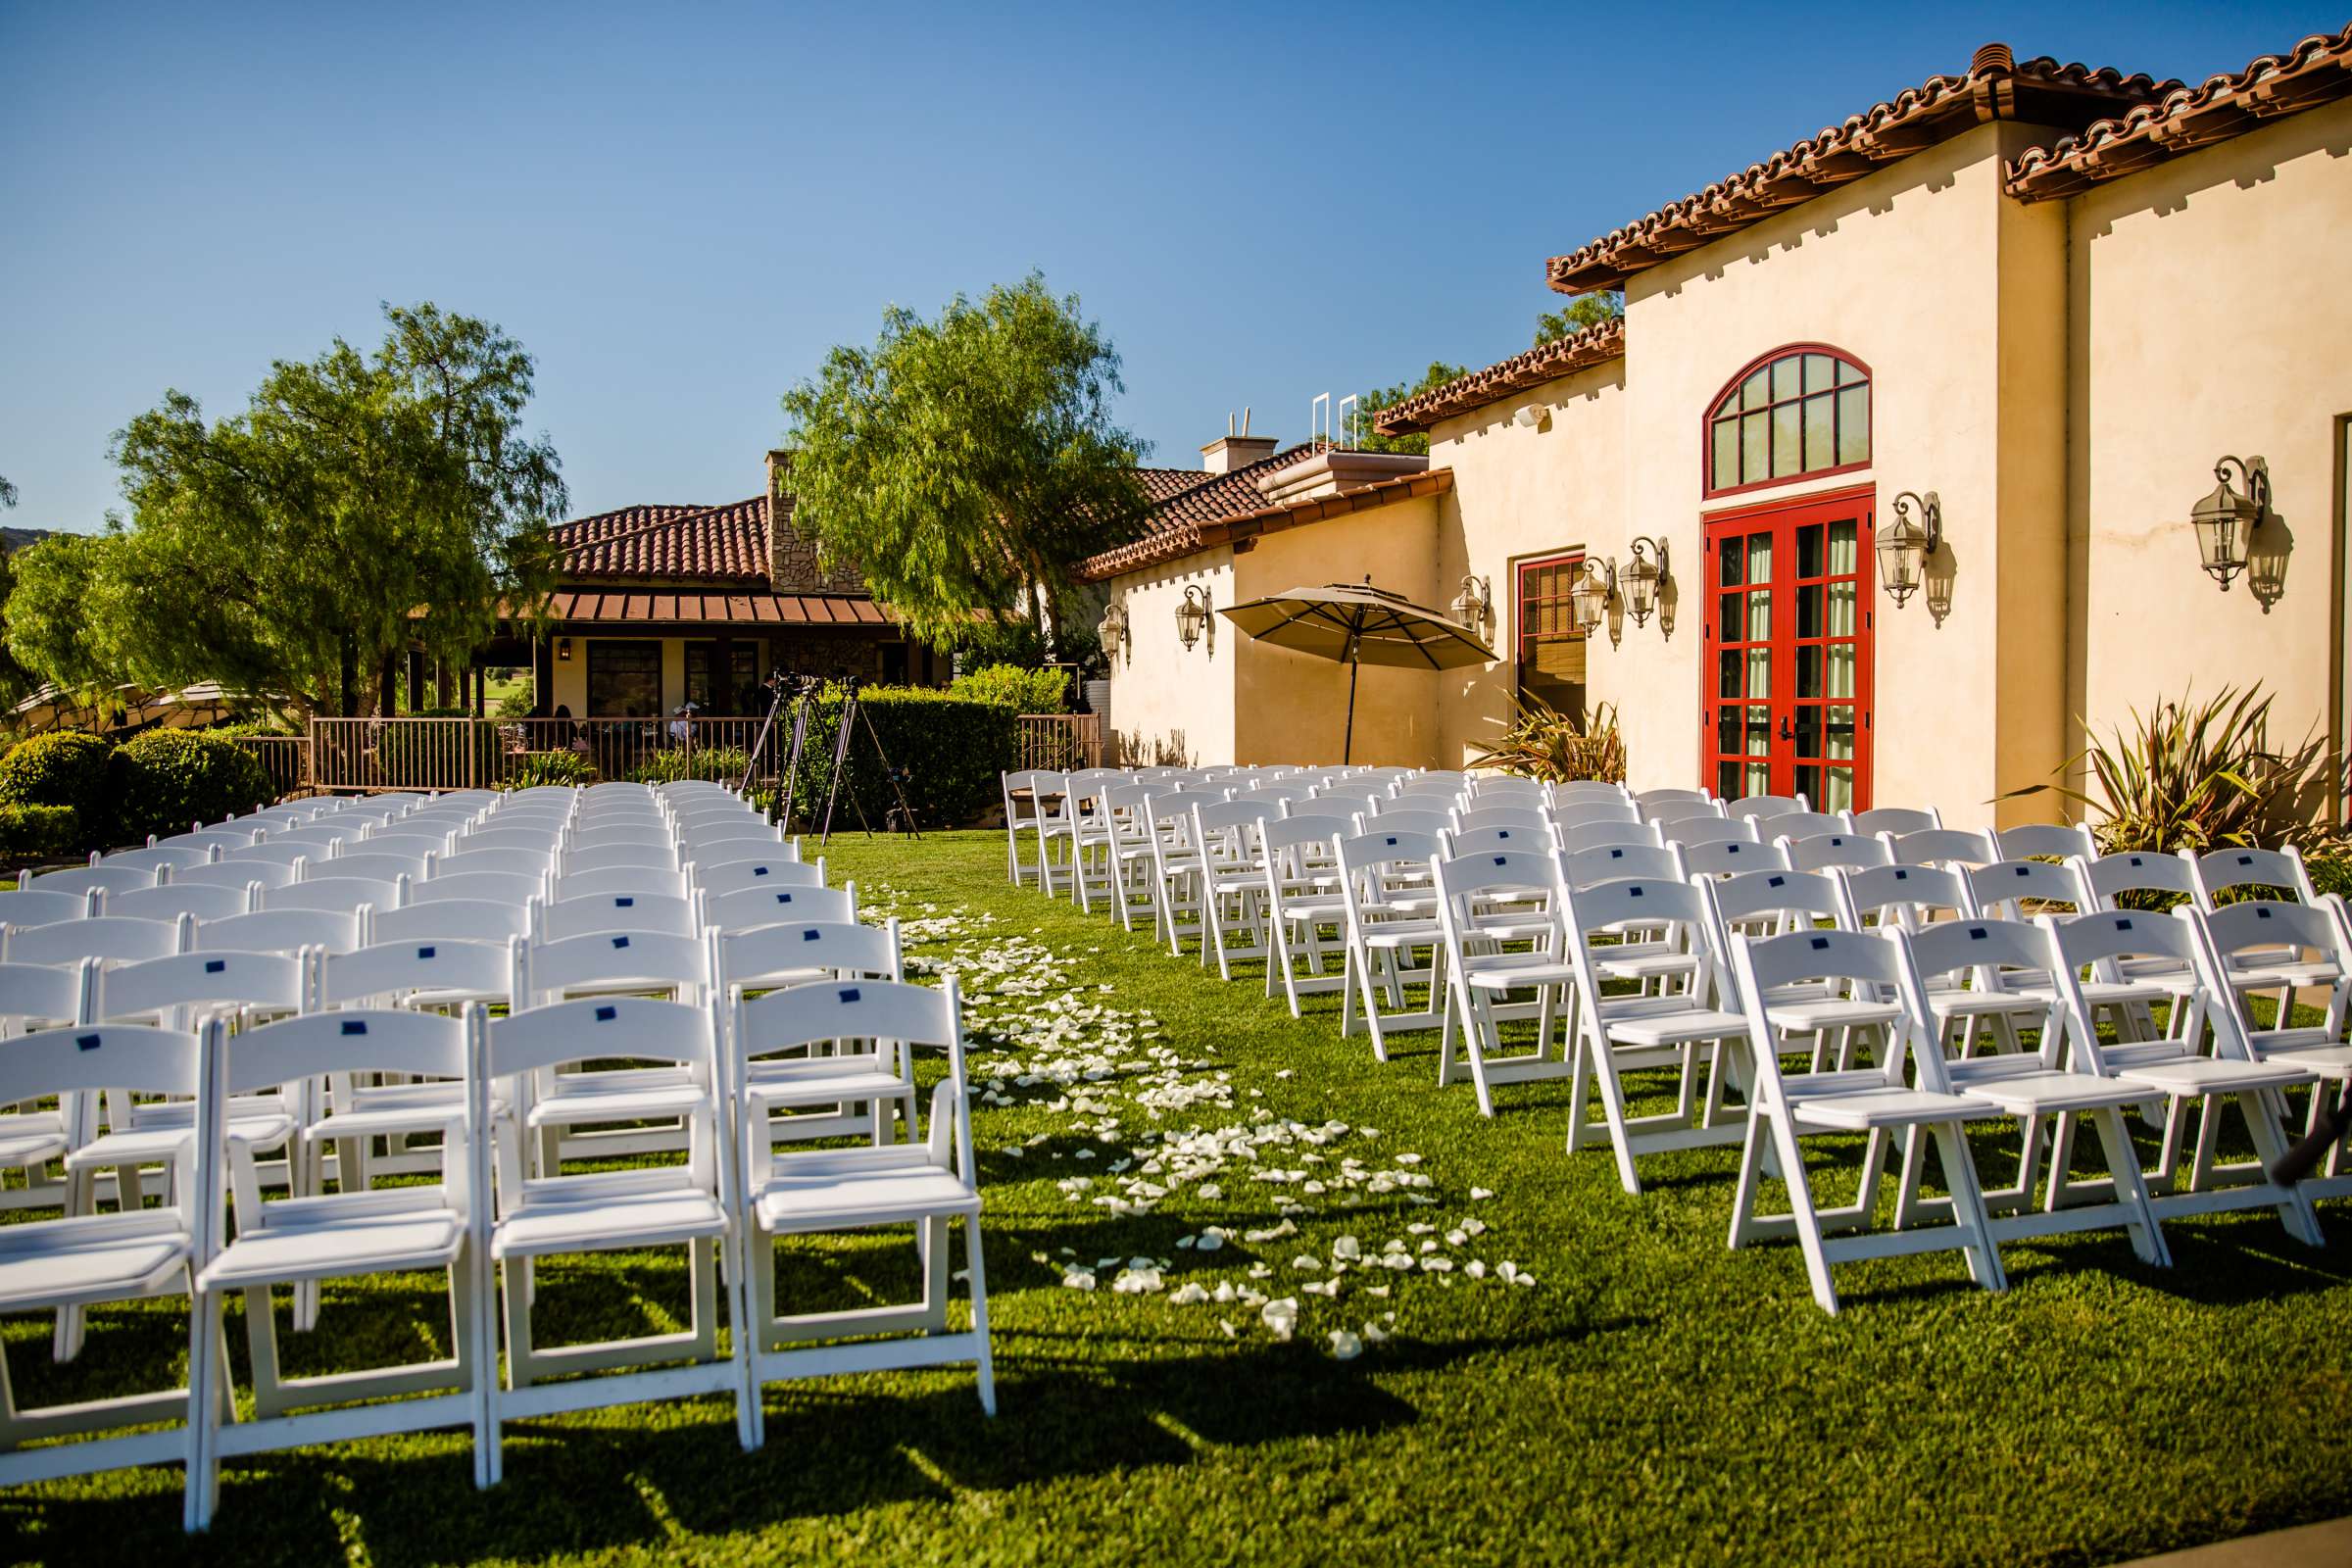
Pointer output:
x,y
1787,732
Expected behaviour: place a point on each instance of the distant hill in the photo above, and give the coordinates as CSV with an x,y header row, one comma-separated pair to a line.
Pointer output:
x,y
12,540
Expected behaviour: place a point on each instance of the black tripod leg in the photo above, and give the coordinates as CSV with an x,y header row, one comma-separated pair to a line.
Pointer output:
x,y
840,757
792,762
905,808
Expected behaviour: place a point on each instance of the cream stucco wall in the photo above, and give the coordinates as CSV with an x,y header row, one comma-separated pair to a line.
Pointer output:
x,y
1168,702
2213,314
1522,492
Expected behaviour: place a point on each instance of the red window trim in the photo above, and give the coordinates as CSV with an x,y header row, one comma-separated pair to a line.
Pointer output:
x,y
1706,421
1519,628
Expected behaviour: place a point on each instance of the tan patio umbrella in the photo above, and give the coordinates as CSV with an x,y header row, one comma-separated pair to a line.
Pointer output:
x,y
1357,626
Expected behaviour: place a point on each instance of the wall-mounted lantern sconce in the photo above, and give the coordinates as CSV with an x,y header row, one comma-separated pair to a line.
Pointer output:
x,y
1645,574
563,647
1588,600
1192,617
1473,606
1113,629
2225,521
1904,549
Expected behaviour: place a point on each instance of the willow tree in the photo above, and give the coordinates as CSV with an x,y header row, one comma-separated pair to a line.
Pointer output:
x,y
966,465
358,503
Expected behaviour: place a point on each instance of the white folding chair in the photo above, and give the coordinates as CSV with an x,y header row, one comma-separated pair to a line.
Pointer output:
x,y
503,862
1303,903
2030,841
618,879
747,908
82,1260
158,858
203,901
2318,939
1960,848
1387,893
810,1191
110,938
88,879
1706,831
1029,799
284,931
1772,807
1233,883
485,887
451,920
24,909
1607,835
590,860
860,1082
2263,871
1179,892
303,1242
736,875
1799,825
1896,820
634,1208
1824,852
1480,971
1829,1020
1875,1102
237,874
333,895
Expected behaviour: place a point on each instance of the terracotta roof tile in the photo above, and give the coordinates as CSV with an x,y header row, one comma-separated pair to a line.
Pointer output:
x,y
2316,70
1234,519
577,605
2038,92
728,542
1596,344
1172,527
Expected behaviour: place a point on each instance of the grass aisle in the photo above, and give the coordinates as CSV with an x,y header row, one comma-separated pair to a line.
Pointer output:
x,y
1184,1159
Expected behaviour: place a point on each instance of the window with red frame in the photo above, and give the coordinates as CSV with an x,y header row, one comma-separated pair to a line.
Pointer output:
x,y
1551,651
1801,412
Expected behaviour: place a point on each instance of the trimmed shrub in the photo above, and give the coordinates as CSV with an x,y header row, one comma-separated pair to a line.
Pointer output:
x,y
1024,691
165,779
718,763
551,767
31,834
63,767
946,750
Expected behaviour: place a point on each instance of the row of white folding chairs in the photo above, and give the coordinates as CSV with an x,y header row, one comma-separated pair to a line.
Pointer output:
x,y
1745,1003
488,1217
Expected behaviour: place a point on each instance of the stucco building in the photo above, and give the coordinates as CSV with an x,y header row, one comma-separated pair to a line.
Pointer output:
x,y
2049,296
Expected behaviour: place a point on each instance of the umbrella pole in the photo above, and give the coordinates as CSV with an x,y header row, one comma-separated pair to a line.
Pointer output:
x,y
1355,667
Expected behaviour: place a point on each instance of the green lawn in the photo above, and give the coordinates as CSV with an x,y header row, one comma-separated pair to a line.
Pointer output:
x,y
1650,1398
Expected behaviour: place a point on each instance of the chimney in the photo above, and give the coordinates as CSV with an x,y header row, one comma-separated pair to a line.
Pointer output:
x,y
1992,57
781,540
1236,449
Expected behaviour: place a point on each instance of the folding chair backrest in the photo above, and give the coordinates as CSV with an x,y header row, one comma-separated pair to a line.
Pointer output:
x,y
206,901
84,878
1599,908
1894,819
209,840
487,887
1486,840
1942,846
1597,808
619,879
2108,936
1327,809
1481,814
764,955
1904,897
1604,835
2252,925
341,892
639,959
337,831
1799,825
400,840
751,906
164,987
732,840
79,1057
1610,863
1768,805
636,856
600,1028
389,972
1381,847
115,939
2036,840
280,931
1981,944
1822,852
2219,871
500,836
2001,888
451,920
505,863
1586,789
421,1045
2112,876
1708,830
1502,871
29,906
1730,856
774,872
852,1009
369,863
1802,896
312,855
1503,785
1647,799
1393,820
1667,812
157,855
237,874
617,911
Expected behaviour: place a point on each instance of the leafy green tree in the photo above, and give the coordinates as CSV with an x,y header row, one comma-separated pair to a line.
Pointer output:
x,y
8,492
1386,397
360,502
1586,310
15,682
966,465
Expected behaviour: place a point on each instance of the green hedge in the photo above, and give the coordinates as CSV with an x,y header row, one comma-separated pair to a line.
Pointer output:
x,y
63,767
721,762
946,749
1023,690
167,780
32,834
551,767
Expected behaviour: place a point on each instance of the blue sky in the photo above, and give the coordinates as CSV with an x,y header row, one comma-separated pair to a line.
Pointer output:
x,y
678,209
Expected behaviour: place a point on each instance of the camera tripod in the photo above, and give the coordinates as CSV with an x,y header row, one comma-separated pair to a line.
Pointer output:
x,y
803,690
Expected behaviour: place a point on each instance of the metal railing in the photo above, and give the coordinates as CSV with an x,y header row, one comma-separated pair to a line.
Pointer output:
x,y
1059,742
369,755
286,759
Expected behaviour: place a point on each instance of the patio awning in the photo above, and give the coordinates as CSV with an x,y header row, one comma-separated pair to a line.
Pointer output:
x,y
625,606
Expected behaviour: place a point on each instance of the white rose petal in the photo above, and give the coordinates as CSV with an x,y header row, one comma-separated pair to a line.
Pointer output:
x,y
1479,1195
1345,1347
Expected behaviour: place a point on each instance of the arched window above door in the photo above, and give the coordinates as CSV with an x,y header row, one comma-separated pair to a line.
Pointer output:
x,y
1797,412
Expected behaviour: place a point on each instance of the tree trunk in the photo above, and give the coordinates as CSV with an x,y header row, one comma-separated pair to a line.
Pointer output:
x,y
387,691
349,706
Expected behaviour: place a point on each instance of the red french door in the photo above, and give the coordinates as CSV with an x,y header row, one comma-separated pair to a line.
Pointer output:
x,y
1786,705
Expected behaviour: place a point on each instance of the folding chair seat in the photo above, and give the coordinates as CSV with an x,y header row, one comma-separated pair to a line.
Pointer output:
x,y
1233,880
2041,1091
1388,888
748,908
333,895
1823,852
303,1242
2315,937
1611,1036
1907,1094
928,1185
203,901
1030,797
1479,973
2177,1068
862,1082
25,907
282,931
80,1260
1306,917
733,876
88,879
638,1208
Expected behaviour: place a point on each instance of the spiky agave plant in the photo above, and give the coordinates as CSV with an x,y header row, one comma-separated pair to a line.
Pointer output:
x,y
1542,742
